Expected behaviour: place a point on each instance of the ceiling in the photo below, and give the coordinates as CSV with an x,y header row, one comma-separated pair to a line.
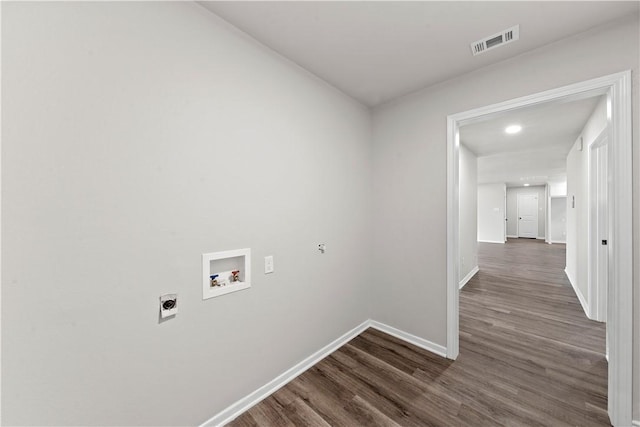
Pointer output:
x,y
375,51
535,155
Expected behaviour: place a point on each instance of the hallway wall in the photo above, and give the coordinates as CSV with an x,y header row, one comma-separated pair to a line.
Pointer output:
x,y
558,220
491,213
410,157
578,190
468,211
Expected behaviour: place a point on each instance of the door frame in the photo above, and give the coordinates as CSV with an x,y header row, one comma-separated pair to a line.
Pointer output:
x,y
617,87
547,214
518,196
594,294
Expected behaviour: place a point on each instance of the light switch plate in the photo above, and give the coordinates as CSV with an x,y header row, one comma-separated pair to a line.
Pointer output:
x,y
268,264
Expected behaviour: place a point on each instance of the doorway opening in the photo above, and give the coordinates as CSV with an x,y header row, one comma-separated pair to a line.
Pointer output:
x,y
617,88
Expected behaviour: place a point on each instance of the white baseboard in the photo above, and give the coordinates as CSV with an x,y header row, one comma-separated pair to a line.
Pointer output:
x,y
232,412
491,241
583,301
540,238
468,277
509,236
411,339
635,423
242,405
558,241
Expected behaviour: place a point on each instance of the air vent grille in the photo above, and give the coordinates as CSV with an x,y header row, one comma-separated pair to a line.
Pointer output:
x,y
499,39
508,35
494,41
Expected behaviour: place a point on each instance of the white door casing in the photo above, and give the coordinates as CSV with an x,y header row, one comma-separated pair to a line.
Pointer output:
x,y
598,247
505,214
528,215
603,232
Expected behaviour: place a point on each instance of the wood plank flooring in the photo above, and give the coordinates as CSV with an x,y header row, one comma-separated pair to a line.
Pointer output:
x,y
528,357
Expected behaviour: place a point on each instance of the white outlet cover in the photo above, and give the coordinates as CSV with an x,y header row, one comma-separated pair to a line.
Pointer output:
x,y
268,264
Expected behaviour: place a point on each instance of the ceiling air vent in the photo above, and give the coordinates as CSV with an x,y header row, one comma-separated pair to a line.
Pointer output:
x,y
499,39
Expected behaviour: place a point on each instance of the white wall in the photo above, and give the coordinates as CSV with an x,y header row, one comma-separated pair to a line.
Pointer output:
x,y
557,189
410,158
558,220
491,213
512,208
118,121
137,136
468,242
578,190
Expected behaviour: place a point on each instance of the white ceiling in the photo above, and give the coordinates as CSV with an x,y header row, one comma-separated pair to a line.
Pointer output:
x,y
537,154
375,51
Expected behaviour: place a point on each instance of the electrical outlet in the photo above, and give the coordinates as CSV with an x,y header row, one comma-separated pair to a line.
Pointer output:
x,y
168,305
268,264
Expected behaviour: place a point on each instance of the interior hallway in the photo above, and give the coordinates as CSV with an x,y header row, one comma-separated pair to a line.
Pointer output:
x,y
528,356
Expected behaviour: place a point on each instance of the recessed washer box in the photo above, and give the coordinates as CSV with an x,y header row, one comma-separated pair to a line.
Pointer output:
x,y
222,266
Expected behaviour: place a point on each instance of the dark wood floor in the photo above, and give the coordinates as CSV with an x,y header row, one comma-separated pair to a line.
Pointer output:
x,y
528,357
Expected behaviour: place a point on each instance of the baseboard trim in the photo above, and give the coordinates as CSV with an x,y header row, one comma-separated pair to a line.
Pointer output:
x,y
563,242
468,277
411,339
491,241
232,412
635,423
235,410
583,301
509,236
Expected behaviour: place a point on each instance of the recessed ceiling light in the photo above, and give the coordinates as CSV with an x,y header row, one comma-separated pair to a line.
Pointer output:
x,y
513,129
526,185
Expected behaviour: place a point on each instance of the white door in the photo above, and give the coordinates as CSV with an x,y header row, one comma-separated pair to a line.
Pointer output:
x,y
528,215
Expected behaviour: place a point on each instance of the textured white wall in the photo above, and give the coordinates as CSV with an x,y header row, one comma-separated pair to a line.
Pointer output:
x,y
410,158
468,242
491,212
137,136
